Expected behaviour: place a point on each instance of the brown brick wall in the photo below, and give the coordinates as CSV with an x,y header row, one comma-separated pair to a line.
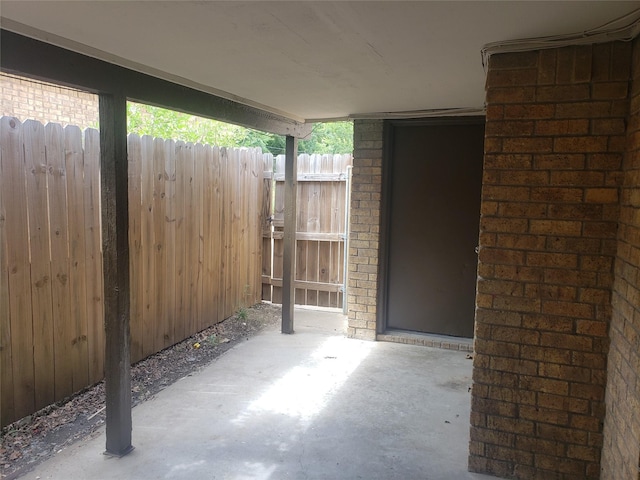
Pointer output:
x,y
364,228
621,450
555,137
26,99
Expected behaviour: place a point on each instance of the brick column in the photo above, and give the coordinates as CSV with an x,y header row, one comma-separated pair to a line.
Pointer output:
x,y
621,450
364,228
550,204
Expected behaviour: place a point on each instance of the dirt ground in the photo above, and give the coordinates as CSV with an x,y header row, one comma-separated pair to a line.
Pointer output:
x,y
35,438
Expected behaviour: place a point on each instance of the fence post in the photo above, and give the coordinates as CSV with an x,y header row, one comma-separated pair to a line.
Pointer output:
x,y
115,244
345,253
289,235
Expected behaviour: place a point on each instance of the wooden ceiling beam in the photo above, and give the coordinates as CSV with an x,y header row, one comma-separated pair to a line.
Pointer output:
x,y
39,60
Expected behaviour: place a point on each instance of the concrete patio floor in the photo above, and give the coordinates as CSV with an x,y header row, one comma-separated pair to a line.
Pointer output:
x,y
313,405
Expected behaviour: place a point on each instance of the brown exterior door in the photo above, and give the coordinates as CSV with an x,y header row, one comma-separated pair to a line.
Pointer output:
x,y
433,220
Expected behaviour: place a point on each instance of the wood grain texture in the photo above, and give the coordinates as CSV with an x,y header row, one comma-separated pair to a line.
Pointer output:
x,y
74,167
180,236
65,337
134,155
6,368
37,176
160,319
194,247
149,296
321,192
18,395
168,304
115,247
93,251
209,300
200,157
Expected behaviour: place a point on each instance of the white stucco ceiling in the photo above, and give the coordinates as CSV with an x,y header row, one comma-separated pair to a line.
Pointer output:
x,y
309,60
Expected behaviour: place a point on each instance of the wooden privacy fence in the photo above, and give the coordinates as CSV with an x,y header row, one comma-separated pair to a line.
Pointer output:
x,y
51,340
322,207
195,252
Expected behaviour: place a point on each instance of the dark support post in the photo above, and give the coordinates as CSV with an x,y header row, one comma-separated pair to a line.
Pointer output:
x,y
115,245
289,237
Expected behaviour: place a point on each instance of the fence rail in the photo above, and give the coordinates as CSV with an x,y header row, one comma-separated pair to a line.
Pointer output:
x,y
195,252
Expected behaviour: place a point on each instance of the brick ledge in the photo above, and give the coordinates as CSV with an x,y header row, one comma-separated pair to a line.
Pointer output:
x,y
427,340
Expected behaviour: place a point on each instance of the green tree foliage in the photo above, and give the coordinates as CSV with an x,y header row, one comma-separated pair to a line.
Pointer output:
x,y
335,137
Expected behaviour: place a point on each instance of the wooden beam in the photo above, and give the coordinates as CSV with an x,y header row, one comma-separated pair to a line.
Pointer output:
x,y
115,245
289,238
313,177
313,236
304,285
43,61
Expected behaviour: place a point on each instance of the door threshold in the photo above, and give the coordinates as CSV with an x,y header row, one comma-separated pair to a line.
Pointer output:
x,y
427,340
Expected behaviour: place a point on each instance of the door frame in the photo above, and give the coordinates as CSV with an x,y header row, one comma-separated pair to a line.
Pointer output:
x,y
388,135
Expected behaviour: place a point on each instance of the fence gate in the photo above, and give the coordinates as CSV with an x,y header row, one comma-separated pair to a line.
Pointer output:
x,y
321,233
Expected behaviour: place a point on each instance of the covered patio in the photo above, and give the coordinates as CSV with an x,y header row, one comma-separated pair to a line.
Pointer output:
x,y
553,294
312,405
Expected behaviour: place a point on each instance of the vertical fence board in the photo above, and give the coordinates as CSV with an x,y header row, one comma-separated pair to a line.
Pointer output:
x,y
338,267
6,374
135,246
169,267
93,251
235,277
207,298
233,261
267,243
227,270
200,154
149,296
337,262
39,249
248,227
244,179
267,226
278,221
312,269
256,222
238,283
250,219
181,299
279,193
19,270
301,270
65,337
221,233
191,241
77,257
216,237
326,209
324,263
252,233
161,318
17,371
